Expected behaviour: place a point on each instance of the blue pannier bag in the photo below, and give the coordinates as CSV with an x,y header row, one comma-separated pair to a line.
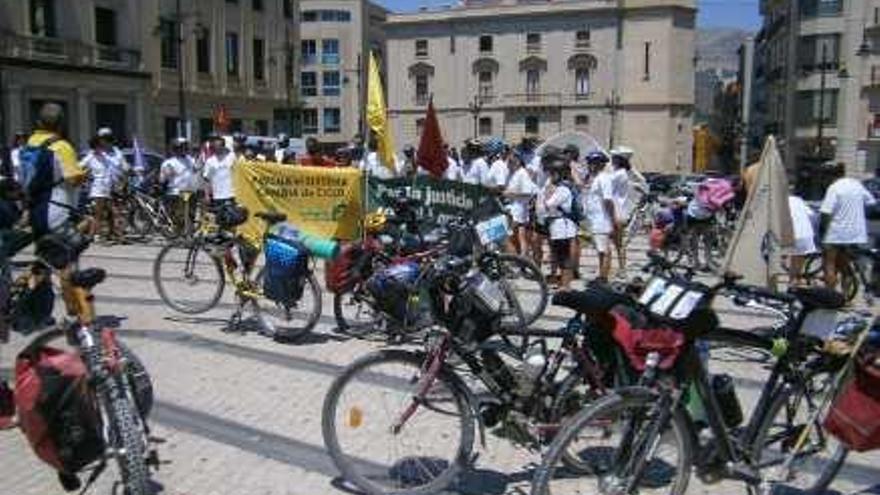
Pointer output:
x,y
37,178
286,269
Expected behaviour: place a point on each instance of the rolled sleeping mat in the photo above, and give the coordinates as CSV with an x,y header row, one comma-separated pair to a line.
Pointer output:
x,y
320,247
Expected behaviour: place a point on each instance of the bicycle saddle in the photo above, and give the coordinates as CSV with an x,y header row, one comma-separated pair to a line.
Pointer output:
x,y
271,217
594,299
818,297
88,278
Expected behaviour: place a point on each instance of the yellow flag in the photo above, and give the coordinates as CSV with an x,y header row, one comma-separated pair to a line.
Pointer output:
x,y
377,116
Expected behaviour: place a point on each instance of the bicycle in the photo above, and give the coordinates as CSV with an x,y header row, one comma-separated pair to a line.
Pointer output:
x,y
117,382
210,258
421,404
855,271
782,443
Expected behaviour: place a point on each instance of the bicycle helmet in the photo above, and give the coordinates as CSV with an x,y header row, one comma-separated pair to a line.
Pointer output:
x,y
494,146
596,157
374,222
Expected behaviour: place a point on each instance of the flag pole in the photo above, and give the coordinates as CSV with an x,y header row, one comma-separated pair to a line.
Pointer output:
x,y
365,194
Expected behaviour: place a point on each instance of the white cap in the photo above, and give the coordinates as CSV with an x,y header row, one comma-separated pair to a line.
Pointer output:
x,y
624,151
105,132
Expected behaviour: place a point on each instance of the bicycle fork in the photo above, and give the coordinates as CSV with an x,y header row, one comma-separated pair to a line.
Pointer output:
x,y
434,362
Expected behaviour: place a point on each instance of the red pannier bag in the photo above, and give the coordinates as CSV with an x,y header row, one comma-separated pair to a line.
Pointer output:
x,y
638,336
338,274
854,417
56,410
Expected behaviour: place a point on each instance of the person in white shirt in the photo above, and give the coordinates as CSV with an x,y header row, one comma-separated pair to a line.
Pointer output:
x,y
536,169
453,169
374,165
521,190
499,172
620,191
474,169
218,173
804,238
599,208
555,201
281,145
100,163
18,142
843,221
178,173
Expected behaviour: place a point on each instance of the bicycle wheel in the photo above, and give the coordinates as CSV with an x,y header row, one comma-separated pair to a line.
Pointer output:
x,y
605,436
813,469
139,222
527,283
354,315
188,278
128,440
290,321
422,456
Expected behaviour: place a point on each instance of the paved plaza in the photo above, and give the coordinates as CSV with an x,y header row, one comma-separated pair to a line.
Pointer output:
x,y
240,414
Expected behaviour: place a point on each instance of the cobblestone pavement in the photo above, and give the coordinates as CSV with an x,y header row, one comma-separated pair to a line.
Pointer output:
x,y
240,414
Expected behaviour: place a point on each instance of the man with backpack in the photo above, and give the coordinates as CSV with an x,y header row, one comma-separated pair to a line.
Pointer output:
x,y
600,210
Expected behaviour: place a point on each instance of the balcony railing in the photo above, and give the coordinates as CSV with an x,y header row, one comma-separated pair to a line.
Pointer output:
x,y
330,58
71,52
309,58
533,99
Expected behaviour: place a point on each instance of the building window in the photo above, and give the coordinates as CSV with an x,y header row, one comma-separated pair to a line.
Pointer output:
x,y
287,5
203,51
236,125
170,129
168,43
582,38
485,88
810,53
308,83
582,82
486,44
105,26
532,125
206,127
420,126
331,83
421,48
533,81
647,75
232,54
309,16
335,16
485,126
259,57
821,8
810,107
330,51
581,122
262,127
533,42
308,51
422,89
43,18
257,5
332,121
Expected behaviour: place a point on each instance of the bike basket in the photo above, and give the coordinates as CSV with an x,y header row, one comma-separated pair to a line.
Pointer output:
x,y
493,231
286,267
854,417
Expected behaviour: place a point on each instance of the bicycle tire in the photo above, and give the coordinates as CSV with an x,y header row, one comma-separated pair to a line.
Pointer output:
x,y
130,444
560,406
283,331
621,399
343,325
527,268
347,467
826,474
180,306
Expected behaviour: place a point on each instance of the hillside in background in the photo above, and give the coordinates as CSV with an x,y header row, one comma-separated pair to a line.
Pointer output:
x,y
717,48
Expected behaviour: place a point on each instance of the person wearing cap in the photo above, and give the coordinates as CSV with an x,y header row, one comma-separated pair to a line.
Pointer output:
x,y
217,173
474,169
599,208
555,203
99,162
178,173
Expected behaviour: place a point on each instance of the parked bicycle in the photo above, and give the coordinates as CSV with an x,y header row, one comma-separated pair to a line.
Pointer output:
x,y
643,440
190,277
855,271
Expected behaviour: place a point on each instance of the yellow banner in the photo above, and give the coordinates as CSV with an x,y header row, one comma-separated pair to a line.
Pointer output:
x,y
324,202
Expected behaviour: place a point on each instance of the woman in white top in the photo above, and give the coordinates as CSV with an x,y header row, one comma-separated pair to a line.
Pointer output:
x,y
620,191
555,202
520,189
99,163
804,238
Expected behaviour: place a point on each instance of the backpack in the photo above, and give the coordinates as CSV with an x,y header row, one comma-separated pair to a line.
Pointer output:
x,y
576,213
37,181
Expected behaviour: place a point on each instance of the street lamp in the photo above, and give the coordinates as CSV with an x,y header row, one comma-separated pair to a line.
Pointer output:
x,y
613,104
475,107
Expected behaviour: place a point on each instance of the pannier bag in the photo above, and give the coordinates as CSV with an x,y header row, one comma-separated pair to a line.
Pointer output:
x,y
286,267
343,272
391,288
854,417
55,408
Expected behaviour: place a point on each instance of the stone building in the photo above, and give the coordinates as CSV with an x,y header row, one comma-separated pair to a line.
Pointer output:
x,y
335,38
119,62
621,70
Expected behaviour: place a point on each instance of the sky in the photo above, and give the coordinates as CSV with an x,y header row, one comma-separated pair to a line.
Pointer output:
x,y
713,13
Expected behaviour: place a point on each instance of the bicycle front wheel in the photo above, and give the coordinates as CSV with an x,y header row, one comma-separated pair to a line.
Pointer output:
x,y
610,438
391,428
129,444
290,321
355,315
188,278
811,467
527,284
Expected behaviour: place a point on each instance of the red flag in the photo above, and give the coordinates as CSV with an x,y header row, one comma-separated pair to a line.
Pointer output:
x,y
431,156
221,119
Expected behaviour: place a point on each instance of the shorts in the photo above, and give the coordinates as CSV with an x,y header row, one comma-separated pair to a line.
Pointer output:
x,y
602,243
803,247
561,249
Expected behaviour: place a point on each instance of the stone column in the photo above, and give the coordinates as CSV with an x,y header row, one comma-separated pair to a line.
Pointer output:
x,y
140,118
849,98
14,106
82,130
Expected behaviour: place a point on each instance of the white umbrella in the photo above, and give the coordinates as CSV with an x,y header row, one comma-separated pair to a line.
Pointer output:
x,y
585,142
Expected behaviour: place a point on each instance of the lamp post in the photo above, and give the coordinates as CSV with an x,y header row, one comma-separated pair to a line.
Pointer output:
x,y
613,104
822,85
181,94
475,107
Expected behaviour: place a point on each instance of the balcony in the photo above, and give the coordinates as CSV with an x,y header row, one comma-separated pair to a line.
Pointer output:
x,y
533,99
68,52
309,58
330,58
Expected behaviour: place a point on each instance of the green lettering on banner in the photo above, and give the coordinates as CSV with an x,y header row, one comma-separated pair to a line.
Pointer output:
x,y
442,199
